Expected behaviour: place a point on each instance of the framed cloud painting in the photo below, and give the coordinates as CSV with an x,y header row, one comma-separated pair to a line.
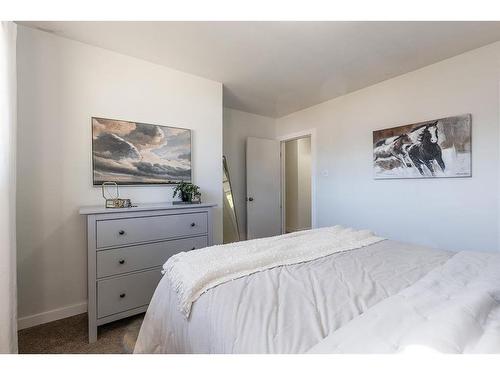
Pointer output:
x,y
437,148
133,153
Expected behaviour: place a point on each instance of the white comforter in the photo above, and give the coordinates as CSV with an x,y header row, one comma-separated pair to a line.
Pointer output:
x,y
192,273
286,309
453,309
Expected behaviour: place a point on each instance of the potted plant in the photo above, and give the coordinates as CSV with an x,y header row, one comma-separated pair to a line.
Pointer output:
x,y
187,191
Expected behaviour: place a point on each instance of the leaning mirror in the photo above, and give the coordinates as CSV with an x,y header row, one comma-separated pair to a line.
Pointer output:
x,y
231,231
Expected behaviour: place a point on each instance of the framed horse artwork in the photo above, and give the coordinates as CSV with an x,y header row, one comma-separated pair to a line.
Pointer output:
x,y
430,149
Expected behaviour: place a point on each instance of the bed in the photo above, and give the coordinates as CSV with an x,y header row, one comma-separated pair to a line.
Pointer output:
x,y
314,305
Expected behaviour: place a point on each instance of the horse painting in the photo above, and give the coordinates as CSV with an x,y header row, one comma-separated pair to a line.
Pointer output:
x,y
427,149
393,147
437,148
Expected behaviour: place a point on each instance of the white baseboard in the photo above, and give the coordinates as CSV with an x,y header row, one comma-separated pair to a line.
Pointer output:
x,y
51,315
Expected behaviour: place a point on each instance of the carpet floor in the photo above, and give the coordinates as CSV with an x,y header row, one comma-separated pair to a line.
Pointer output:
x,y
69,336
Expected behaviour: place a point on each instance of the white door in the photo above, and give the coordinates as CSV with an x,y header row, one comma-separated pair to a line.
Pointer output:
x,y
263,188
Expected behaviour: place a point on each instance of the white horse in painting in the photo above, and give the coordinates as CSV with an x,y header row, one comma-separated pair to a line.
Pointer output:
x,y
393,147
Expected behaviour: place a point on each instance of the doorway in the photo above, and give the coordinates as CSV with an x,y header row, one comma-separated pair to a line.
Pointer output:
x,y
296,184
267,187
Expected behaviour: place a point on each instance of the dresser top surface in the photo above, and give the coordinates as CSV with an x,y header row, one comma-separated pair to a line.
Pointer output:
x,y
93,210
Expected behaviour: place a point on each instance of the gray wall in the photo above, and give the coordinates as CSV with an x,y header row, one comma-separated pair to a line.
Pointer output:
x,y
61,84
238,126
455,214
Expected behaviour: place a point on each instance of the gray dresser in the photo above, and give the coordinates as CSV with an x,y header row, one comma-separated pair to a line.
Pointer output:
x,y
126,249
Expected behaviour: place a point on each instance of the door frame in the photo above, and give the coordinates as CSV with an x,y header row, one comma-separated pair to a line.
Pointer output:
x,y
288,137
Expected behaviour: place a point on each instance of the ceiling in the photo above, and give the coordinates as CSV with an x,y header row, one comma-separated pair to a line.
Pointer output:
x,y
276,68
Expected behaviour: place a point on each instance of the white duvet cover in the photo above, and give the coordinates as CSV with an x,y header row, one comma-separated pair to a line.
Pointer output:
x,y
453,309
192,273
286,309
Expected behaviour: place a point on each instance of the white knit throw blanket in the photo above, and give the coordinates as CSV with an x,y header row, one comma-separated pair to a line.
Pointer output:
x,y
193,273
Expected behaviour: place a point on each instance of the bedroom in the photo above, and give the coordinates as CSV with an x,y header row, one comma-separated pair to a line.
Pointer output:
x,y
394,123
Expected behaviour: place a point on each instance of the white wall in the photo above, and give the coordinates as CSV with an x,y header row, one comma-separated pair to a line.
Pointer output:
x,y
304,183
238,126
63,83
291,185
298,184
455,214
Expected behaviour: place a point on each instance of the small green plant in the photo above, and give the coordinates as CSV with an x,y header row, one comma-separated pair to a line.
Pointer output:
x,y
186,191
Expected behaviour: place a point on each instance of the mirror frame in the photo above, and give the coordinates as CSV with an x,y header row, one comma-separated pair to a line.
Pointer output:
x,y
226,172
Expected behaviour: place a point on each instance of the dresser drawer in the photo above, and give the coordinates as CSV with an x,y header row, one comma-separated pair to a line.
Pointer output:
x,y
134,258
118,232
123,293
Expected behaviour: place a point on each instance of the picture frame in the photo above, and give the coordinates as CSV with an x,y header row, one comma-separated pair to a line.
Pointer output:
x,y
136,153
439,148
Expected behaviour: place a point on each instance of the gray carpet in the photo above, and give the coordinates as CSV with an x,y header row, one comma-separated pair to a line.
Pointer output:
x,y
69,336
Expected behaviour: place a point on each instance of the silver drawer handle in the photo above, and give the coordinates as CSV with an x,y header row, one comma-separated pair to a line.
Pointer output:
x,y
121,261
121,232
122,295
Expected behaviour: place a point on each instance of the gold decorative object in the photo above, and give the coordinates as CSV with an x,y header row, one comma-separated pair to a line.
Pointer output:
x,y
114,201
